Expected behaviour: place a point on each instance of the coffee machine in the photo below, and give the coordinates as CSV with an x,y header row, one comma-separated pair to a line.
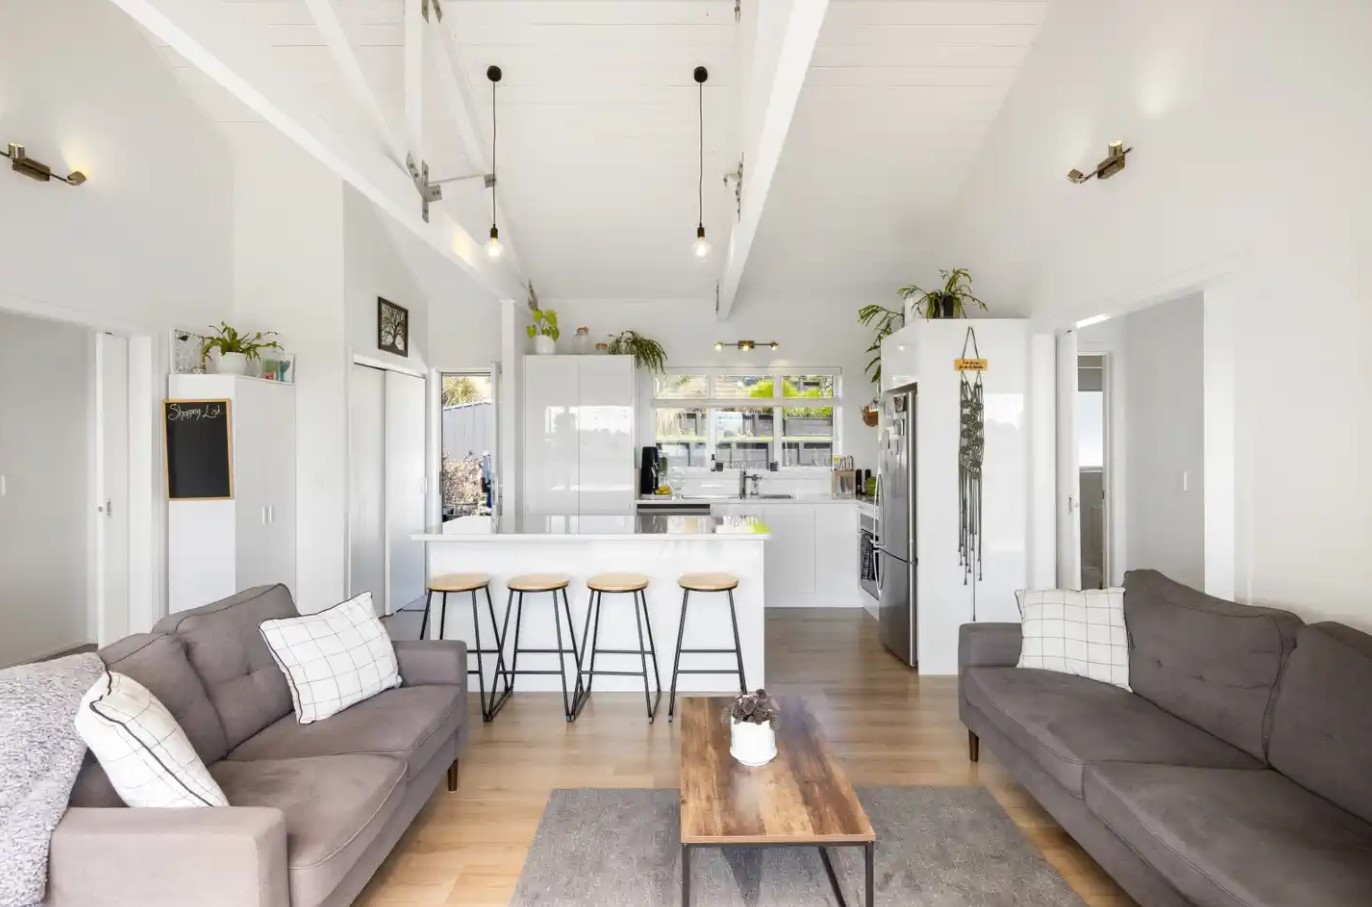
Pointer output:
x,y
653,468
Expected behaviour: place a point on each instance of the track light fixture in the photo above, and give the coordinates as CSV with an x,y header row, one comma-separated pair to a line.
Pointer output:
x,y
20,162
745,345
494,249
1113,163
701,247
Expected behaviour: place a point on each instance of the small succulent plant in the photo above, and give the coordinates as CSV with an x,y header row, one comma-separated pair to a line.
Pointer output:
x,y
757,708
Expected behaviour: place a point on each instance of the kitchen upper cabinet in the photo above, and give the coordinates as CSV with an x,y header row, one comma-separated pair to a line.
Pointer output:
x,y
579,435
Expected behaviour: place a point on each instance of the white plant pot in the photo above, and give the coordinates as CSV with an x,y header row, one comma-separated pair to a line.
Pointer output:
x,y
752,744
232,364
544,345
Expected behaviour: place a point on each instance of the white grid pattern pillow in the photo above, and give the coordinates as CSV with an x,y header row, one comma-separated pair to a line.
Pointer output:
x,y
142,748
333,659
1080,633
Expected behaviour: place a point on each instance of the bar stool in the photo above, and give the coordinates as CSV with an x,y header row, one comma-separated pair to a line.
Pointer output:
x,y
618,583
705,582
471,582
554,583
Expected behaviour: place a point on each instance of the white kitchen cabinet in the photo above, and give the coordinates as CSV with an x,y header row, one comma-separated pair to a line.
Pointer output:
x,y
578,435
836,555
216,548
789,565
812,555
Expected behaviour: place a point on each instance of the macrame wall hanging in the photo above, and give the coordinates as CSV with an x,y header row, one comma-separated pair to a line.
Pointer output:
x,y
971,447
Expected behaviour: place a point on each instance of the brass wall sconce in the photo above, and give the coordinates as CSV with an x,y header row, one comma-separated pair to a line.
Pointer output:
x,y
1113,163
745,345
20,162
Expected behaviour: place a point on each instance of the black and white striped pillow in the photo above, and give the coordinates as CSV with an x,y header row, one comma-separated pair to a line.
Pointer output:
x,y
142,748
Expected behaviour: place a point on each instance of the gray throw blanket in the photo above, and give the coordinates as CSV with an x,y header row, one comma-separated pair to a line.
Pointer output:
x,y
40,755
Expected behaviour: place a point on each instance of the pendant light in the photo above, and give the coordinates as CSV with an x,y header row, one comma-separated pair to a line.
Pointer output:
x,y
701,247
493,247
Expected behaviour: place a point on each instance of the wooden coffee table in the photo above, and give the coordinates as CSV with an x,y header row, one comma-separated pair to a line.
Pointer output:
x,y
801,798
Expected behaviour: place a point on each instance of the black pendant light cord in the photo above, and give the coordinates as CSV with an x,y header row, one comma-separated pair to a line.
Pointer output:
x,y
493,173
700,182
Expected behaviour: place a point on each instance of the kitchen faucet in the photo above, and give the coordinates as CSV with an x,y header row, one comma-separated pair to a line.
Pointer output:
x,y
743,478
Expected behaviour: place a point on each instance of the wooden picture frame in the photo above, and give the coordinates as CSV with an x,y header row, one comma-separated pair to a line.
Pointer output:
x,y
167,421
392,328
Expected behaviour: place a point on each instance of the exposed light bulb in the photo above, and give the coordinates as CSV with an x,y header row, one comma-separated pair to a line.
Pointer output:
x,y
719,345
775,345
701,247
494,249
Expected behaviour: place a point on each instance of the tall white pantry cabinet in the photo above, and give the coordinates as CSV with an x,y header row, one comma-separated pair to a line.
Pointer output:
x,y
218,547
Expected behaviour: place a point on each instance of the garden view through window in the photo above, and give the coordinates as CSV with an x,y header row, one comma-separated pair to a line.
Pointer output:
x,y
468,446
746,420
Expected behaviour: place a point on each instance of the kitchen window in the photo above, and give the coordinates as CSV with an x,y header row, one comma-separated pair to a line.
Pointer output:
x,y
748,419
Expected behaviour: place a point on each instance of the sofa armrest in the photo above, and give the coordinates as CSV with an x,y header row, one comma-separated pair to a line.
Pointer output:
x,y
211,857
425,662
988,645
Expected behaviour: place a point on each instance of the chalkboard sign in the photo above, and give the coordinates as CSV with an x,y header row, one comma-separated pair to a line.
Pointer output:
x,y
199,449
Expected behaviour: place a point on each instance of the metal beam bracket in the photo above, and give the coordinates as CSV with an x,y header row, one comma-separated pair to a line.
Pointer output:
x,y
437,8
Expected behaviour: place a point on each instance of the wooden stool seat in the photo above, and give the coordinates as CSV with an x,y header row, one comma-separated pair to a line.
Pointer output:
x,y
459,582
709,582
617,582
538,582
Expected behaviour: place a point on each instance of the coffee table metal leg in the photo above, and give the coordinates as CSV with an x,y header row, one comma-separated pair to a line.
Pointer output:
x,y
685,875
871,855
833,876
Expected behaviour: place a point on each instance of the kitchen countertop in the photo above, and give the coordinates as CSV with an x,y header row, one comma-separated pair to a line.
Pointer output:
x,y
675,500
609,527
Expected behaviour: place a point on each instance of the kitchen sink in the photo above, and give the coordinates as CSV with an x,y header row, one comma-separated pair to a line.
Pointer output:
x,y
774,497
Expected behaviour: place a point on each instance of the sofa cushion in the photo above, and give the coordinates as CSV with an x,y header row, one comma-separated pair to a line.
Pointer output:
x,y
334,807
1210,661
410,723
1226,838
1065,722
1322,729
223,643
159,663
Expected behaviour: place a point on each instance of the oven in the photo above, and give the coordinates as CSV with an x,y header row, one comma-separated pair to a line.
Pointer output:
x,y
869,542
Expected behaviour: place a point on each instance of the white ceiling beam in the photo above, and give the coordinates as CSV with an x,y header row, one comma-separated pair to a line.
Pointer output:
x,y
219,45
448,61
801,32
414,75
341,49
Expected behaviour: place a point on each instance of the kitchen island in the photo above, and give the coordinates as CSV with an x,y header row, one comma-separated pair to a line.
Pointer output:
x,y
662,547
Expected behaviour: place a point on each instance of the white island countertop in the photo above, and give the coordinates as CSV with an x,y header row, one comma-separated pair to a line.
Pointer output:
x,y
705,500
607,527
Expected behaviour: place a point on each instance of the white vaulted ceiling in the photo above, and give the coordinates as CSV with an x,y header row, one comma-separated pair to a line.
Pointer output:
x,y
597,115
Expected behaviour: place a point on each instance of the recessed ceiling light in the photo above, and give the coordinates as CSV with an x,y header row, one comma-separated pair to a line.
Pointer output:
x,y
1094,319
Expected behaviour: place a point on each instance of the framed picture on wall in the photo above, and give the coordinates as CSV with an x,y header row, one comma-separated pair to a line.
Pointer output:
x,y
392,327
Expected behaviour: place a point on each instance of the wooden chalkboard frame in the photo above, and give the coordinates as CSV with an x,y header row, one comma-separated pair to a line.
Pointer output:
x,y
166,454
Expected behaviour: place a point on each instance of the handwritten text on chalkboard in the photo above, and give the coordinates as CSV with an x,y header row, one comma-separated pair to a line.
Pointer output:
x,y
180,412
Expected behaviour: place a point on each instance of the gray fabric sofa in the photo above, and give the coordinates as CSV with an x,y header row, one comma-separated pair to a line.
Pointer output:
x,y
314,808
1237,772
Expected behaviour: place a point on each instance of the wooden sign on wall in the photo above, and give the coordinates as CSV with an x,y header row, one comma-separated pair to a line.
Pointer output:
x,y
199,449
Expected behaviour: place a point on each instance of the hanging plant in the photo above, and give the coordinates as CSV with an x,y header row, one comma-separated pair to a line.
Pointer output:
x,y
647,353
948,301
886,322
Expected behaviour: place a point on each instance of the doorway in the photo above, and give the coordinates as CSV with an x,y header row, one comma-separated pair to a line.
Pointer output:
x,y
468,431
110,535
1093,470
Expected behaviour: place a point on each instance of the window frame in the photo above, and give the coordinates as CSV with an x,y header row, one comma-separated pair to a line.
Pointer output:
x,y
777,403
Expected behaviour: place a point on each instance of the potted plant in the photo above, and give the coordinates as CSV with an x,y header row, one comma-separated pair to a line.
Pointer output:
x,y
235,349
544,331
948,301
753,719
647,353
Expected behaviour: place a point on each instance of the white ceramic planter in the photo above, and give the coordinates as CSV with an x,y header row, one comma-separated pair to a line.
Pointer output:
x,y
232,364
544,345
752,744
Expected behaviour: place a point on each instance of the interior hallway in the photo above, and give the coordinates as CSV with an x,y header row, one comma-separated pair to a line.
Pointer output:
x,y
889,726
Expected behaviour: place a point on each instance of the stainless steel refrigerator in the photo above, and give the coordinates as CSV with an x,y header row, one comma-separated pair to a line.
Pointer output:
x,y
898,565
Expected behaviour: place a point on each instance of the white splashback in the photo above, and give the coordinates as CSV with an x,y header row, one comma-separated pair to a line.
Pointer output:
x,y
924,352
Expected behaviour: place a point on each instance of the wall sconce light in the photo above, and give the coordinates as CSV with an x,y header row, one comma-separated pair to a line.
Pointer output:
x,y
745,345
1113,163
20,162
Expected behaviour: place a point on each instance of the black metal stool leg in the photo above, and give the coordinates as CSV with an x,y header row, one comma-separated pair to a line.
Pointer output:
x,y
676,664
428,606
519,622
577,653
738,645
561,659
652,646
480,661
501,672
643,660
443,618
590,646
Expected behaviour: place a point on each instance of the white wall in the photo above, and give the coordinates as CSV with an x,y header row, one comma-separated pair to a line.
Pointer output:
x,y
148,239
1230,188
45,458
811,333
1164,407
373,266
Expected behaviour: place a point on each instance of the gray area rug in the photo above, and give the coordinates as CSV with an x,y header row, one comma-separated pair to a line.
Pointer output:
x,y
936,847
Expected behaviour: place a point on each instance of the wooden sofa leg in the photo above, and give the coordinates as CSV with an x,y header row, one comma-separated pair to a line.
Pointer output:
x,y
452,776
973,748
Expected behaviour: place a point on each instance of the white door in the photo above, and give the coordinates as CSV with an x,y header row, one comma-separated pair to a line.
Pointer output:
x,y
1069,470
280,453
251,419
405,487
111,488
366,484
606,479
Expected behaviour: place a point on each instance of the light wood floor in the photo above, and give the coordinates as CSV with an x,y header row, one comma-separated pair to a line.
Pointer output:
x,y
889,727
